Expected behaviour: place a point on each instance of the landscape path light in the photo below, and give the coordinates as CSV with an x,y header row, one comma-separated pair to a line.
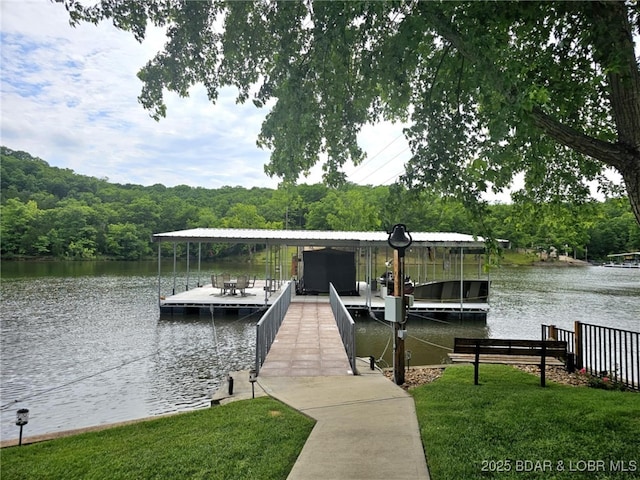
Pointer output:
x,y
253,378
22,418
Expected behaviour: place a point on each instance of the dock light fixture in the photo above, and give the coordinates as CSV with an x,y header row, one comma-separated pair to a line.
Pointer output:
x,y
399,239
253,378
22,418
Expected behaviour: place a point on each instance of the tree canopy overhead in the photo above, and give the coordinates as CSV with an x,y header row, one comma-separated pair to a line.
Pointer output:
x,y
490,90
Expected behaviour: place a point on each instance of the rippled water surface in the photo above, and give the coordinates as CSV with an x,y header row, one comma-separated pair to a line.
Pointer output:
x,y
85,345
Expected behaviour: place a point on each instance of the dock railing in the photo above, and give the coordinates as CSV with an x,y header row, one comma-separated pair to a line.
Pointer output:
x,y
346,326
602,351
268,326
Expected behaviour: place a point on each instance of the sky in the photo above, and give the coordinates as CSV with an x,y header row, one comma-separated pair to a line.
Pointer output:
x,y
69,96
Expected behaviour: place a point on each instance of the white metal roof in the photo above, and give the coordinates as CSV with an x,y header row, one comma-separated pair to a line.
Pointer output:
x,y
314,237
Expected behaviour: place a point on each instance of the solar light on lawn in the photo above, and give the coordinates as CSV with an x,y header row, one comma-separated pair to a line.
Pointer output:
x,y
22,418
253,378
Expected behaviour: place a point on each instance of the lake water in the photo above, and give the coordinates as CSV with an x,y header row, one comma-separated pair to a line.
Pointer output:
x,y
83,343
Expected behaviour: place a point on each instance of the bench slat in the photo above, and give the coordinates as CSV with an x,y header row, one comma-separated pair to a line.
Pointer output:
x,y
499,342
504,359
549,352
511,351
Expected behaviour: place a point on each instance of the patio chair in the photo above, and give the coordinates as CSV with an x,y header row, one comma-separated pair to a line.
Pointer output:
x,y
252,283
226,282
216,282
241,284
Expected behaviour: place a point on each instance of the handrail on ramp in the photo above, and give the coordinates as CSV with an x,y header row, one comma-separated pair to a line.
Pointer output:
x,y
268,326
346,326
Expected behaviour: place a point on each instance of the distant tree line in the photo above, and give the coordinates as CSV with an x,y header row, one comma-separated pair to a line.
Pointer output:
x,y
53,212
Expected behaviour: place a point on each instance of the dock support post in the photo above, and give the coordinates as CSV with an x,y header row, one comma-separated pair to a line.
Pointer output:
x,y
199,262
174,267
186,286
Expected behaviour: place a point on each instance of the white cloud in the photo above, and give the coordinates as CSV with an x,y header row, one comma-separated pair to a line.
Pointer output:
x,y
69,96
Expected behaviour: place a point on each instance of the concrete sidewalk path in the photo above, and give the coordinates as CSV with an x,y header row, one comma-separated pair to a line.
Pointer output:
x,y
366,427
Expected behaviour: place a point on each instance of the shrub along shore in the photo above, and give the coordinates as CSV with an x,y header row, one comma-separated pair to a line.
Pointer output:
x,y
507,427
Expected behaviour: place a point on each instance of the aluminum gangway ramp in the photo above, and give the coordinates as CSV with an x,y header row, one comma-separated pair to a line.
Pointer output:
x,y
308,344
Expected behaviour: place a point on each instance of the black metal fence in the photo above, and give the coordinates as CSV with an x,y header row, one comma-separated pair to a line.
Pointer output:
x,y
602,351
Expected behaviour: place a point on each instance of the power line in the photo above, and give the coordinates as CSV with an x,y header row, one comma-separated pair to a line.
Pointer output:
x,y
384,165
379,152
42,392
392,178
95,374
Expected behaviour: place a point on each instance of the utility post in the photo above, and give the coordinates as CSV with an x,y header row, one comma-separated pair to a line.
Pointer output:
x,y
399,240
398,291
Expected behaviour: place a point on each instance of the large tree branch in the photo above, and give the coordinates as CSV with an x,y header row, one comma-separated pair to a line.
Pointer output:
x,y
615,155
626,88
624,158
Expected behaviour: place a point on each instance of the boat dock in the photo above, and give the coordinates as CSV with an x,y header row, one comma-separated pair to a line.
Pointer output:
x,y
446,268
206,298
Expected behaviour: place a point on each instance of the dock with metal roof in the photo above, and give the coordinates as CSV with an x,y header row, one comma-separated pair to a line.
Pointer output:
x,y
203,299
366,294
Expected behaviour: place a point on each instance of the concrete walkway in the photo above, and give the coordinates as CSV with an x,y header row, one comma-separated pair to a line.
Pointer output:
x,y
366,426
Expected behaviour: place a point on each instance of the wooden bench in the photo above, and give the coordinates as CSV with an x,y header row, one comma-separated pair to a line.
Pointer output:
x,y
508,351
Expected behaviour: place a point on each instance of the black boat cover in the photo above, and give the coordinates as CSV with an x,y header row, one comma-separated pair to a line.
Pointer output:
x,y
325,266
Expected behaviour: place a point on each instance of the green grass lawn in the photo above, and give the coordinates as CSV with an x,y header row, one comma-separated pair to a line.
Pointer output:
x,y
507,427
258,439
510,427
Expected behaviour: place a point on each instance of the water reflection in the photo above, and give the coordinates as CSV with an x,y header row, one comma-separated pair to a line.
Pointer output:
x,y
84,344
429,340
195,354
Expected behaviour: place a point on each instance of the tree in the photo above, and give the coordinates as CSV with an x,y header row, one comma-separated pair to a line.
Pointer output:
x,y
353,212
125,242
72,229
319,212
490,89
16,226
613,230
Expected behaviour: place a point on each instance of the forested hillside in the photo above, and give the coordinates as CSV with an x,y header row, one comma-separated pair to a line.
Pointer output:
x,y
53,212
